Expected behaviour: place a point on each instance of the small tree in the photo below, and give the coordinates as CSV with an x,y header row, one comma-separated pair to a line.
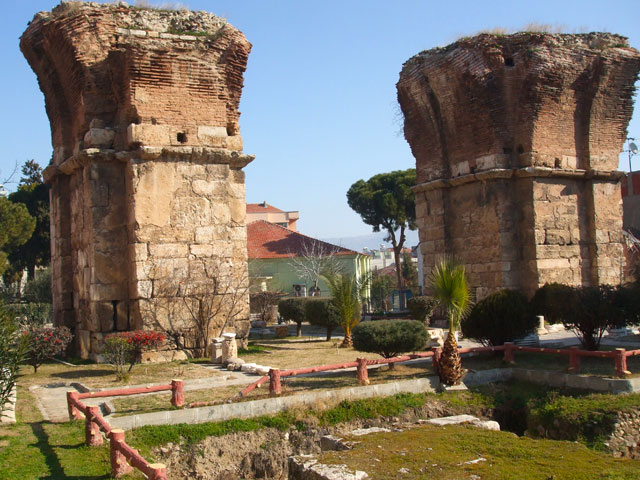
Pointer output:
x,y
346,299
293,309
409,272
321,313
118,351
47,343
264,303
421,308
381,287
592,312
34,195
386,202
501,317
389,338
16,227
141,341
14,349
449,284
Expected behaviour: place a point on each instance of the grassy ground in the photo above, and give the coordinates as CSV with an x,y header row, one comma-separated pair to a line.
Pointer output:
x,y
33,448
103,376
445,453
298,353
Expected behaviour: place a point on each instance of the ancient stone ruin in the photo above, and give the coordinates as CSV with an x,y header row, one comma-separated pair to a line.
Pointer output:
x,y
516,140
147,187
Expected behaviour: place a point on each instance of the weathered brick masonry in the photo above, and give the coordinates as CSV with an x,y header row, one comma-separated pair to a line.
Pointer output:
x,y
146,179
516,140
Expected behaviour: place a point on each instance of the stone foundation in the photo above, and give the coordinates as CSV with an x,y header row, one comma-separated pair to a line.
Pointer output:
x,y
147,191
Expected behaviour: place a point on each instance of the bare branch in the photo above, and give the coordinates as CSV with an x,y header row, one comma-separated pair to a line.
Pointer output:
x,y
208,306
316,259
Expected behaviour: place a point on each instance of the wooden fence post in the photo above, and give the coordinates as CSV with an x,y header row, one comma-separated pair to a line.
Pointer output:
x,y
74,413
437,353
621,363
92,434
177,393
158,471
508,352
574,360
119,465
363,374
275,388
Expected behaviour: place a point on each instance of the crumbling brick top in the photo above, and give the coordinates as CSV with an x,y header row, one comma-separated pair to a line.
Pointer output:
x,y
597,41
121,77
559,101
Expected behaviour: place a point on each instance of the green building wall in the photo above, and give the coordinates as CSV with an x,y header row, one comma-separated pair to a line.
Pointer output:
x,y
279,273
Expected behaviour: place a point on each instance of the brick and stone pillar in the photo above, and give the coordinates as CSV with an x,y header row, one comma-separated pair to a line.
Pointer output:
x,y
516,140
147,187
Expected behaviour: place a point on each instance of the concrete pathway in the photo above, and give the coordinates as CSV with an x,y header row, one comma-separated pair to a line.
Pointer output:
x,y
51,399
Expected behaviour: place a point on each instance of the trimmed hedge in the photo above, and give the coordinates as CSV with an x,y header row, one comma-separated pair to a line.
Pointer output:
x,y
501,317
389,338
293,309
321,313
554,301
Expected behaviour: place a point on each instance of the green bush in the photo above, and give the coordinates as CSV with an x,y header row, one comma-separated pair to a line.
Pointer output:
x,y
118,351
592,312
626,305
15,347
293,309
321,313
421,308
389,338
38,290
553,300
31,314
501,317
47,343
589,311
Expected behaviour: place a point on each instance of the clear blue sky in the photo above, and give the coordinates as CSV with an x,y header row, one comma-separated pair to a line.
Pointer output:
x,y
319,106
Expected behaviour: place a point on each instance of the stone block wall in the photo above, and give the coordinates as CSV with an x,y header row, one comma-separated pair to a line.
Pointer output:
x,y
516,140
147,188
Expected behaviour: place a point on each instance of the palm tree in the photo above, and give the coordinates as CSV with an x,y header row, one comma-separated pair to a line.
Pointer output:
x,y
346,294
449,285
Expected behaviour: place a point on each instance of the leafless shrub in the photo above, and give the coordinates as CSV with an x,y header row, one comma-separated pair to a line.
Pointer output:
x,y
192,313
316,259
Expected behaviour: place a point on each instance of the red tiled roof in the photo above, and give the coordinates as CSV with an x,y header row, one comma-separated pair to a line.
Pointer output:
x,y
262,208
268,240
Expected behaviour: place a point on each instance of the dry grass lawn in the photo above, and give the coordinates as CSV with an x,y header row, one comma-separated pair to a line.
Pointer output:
x,y
103,376
290,386
286,354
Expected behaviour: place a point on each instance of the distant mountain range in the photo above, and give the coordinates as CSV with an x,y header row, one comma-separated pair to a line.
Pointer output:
x,y
371,241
